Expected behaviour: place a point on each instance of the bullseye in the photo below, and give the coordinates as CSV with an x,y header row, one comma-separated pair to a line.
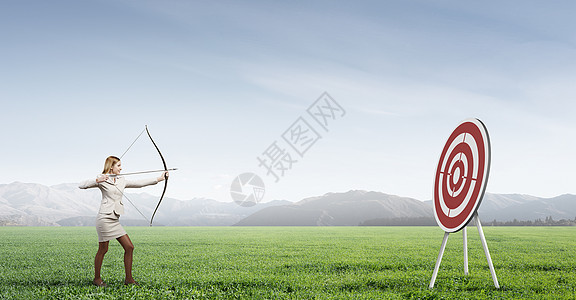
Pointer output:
x,y
453,193
461,175
456,174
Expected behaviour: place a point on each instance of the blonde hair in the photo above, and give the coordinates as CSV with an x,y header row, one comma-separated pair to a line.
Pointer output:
x,y
110,162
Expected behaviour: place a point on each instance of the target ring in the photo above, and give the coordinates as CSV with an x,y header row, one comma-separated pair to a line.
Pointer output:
x,y
461,175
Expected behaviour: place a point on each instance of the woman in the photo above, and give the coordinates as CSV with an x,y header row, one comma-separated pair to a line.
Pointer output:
x,y
107,222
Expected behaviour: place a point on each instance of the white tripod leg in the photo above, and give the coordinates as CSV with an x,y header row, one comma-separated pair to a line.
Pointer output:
x,y
433,280
483,239
465,241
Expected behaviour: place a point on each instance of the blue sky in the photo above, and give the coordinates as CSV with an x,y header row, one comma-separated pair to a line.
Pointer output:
x,y
218,81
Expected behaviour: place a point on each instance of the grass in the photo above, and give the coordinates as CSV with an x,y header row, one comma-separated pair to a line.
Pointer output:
x,y
289,263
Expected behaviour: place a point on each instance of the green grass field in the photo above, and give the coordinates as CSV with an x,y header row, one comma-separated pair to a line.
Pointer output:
x,y
289,263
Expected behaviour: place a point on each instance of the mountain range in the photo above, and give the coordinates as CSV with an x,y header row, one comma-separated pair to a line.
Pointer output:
x,y
67,205
31,204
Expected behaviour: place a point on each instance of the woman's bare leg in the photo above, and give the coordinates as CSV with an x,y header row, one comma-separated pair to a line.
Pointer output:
x,y
102,249
128,253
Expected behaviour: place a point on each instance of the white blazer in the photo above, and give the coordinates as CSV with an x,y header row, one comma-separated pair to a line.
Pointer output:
x,y
112,192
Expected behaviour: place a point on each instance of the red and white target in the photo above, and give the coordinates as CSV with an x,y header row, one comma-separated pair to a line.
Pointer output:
x,y
461,175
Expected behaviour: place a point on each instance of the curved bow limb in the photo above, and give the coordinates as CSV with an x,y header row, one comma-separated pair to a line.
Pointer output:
x,y
165,176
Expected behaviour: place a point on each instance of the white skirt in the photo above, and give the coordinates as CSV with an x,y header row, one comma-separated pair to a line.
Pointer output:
x,y
108,227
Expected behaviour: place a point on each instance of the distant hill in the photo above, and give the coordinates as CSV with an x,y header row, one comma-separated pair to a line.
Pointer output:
x,y
339,209
524,207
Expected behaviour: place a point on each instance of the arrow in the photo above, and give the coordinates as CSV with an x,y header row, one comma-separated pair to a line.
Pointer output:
x,y
141,172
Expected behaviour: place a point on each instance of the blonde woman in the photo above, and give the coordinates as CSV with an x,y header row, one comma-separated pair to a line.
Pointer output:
x,y
112,186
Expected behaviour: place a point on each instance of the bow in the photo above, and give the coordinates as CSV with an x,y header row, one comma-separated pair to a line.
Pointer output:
x,y
165,176
165,169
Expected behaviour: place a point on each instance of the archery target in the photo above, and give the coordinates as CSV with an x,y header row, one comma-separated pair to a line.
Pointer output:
x,y
461,175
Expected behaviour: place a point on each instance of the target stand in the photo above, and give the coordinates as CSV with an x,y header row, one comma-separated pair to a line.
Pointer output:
x,y
459,187
465,242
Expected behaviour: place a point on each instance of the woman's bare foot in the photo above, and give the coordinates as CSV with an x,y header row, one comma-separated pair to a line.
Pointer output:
x,y
99,282
132,281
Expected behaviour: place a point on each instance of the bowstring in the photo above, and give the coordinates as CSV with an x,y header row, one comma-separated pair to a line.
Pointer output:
x,y
124,195
133,143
